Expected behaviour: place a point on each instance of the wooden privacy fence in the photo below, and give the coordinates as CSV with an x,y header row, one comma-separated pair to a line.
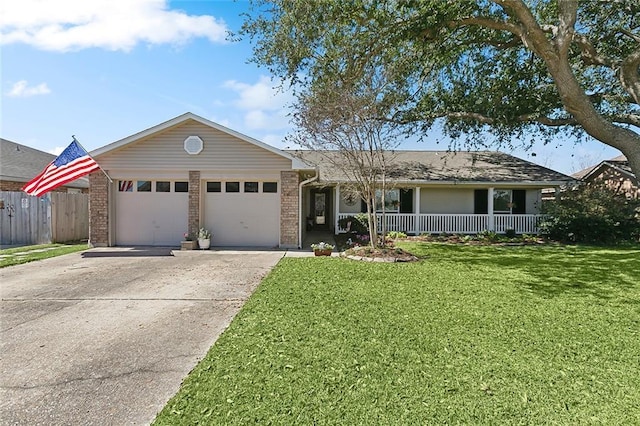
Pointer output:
x,y
54,218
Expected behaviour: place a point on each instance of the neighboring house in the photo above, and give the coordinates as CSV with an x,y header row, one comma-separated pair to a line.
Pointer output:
x,y
190,172
19,164
615,174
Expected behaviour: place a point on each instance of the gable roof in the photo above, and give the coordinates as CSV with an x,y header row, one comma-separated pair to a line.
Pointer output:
x,y
296,162
619,163
450,167
20,163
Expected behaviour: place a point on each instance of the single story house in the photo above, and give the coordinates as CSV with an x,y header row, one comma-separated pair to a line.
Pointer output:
x,y
190,172
20,163
615,173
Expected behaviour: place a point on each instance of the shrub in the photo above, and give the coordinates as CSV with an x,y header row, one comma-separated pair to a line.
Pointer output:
x,y
510,233
487,235
396,234
357,224
592,214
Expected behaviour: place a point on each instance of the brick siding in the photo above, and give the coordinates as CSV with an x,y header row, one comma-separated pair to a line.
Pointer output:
x,y
289,222
98,210
194,203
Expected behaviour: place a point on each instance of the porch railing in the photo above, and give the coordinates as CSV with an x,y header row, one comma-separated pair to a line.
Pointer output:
x,y
456,223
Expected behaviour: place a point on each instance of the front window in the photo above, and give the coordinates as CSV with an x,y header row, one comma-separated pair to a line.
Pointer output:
x,y
391,200
502,201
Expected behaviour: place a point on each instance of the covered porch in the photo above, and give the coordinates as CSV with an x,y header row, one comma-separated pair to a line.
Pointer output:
x,y
417,224
456,209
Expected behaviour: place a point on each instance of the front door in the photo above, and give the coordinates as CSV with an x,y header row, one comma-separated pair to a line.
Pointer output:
x,y
320,208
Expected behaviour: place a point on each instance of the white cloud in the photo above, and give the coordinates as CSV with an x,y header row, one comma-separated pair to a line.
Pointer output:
x,y
21,89
264,105
262,95
57,150
64,25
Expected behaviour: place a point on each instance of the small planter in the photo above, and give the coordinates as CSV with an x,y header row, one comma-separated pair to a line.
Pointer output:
x,y
326,252
204,243
188,245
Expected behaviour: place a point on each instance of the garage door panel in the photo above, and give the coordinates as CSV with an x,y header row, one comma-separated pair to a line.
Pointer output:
x,y
155,219
243,219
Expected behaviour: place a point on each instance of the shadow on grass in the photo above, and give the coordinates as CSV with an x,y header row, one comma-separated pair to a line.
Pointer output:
x,y
549,271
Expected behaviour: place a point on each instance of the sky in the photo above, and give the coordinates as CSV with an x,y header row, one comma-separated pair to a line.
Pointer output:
x,y
103,70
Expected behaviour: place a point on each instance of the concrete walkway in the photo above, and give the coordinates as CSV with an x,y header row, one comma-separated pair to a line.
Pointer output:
x,y
106,336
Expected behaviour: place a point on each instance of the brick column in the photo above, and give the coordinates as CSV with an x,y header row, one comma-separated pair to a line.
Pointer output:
x,y
289,204
98,209
194,203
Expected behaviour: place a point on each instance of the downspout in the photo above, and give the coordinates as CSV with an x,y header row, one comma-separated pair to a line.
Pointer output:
x,y
300,223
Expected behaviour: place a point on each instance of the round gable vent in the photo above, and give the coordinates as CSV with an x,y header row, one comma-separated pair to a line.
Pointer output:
x,y
193,145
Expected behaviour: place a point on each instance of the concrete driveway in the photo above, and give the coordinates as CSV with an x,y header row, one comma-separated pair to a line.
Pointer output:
x,y
106,336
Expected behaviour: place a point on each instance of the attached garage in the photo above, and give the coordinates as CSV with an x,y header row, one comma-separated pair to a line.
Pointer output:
x,y
162,186
242,214
150,213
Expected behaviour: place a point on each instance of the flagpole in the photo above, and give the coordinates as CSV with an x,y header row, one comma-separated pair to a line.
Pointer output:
x,y
105,173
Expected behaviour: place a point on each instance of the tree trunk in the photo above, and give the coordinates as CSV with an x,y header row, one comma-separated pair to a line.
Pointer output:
x,y
578,104
575,100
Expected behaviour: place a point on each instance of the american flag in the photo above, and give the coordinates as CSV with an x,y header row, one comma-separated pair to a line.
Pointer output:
x,y
73,163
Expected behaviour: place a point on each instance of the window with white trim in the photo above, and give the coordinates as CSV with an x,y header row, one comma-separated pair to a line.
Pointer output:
x,y
391,200
502,200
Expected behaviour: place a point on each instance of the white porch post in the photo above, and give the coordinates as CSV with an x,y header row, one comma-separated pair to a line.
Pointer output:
x,y
490,209
417,211
336,208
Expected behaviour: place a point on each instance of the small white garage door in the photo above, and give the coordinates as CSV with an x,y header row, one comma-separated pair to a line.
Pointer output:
x,y
249,217
150,216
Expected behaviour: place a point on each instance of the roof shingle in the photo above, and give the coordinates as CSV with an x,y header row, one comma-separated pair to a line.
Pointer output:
x,y
447,166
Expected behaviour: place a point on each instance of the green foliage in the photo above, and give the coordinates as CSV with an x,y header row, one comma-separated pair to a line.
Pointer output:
x,y
396,234
486,235
204,234
19,255
481,66
593,214
322,246
510,233
472,335
357,224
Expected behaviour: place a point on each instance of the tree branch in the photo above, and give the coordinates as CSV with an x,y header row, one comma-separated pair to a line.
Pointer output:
x,y
532,34
629,75
633,119
487,23
588,52
630,34
547,121
567,13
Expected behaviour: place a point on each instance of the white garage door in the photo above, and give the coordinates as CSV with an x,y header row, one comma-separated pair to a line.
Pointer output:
x,y
243,218
150,217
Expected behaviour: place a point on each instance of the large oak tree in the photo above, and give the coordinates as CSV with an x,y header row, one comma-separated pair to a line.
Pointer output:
x,y
521,70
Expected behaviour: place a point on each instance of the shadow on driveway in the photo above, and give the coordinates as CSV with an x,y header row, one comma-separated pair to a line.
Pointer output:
x,y
129,252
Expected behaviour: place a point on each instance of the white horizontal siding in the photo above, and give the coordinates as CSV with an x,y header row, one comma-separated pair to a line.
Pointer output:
x,y
446,200
165,151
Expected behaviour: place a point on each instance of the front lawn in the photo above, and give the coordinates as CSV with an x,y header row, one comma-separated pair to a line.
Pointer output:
x,y
25,254
468,335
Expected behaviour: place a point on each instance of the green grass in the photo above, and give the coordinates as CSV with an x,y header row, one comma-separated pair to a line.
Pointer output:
x,y
469,335
18,255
